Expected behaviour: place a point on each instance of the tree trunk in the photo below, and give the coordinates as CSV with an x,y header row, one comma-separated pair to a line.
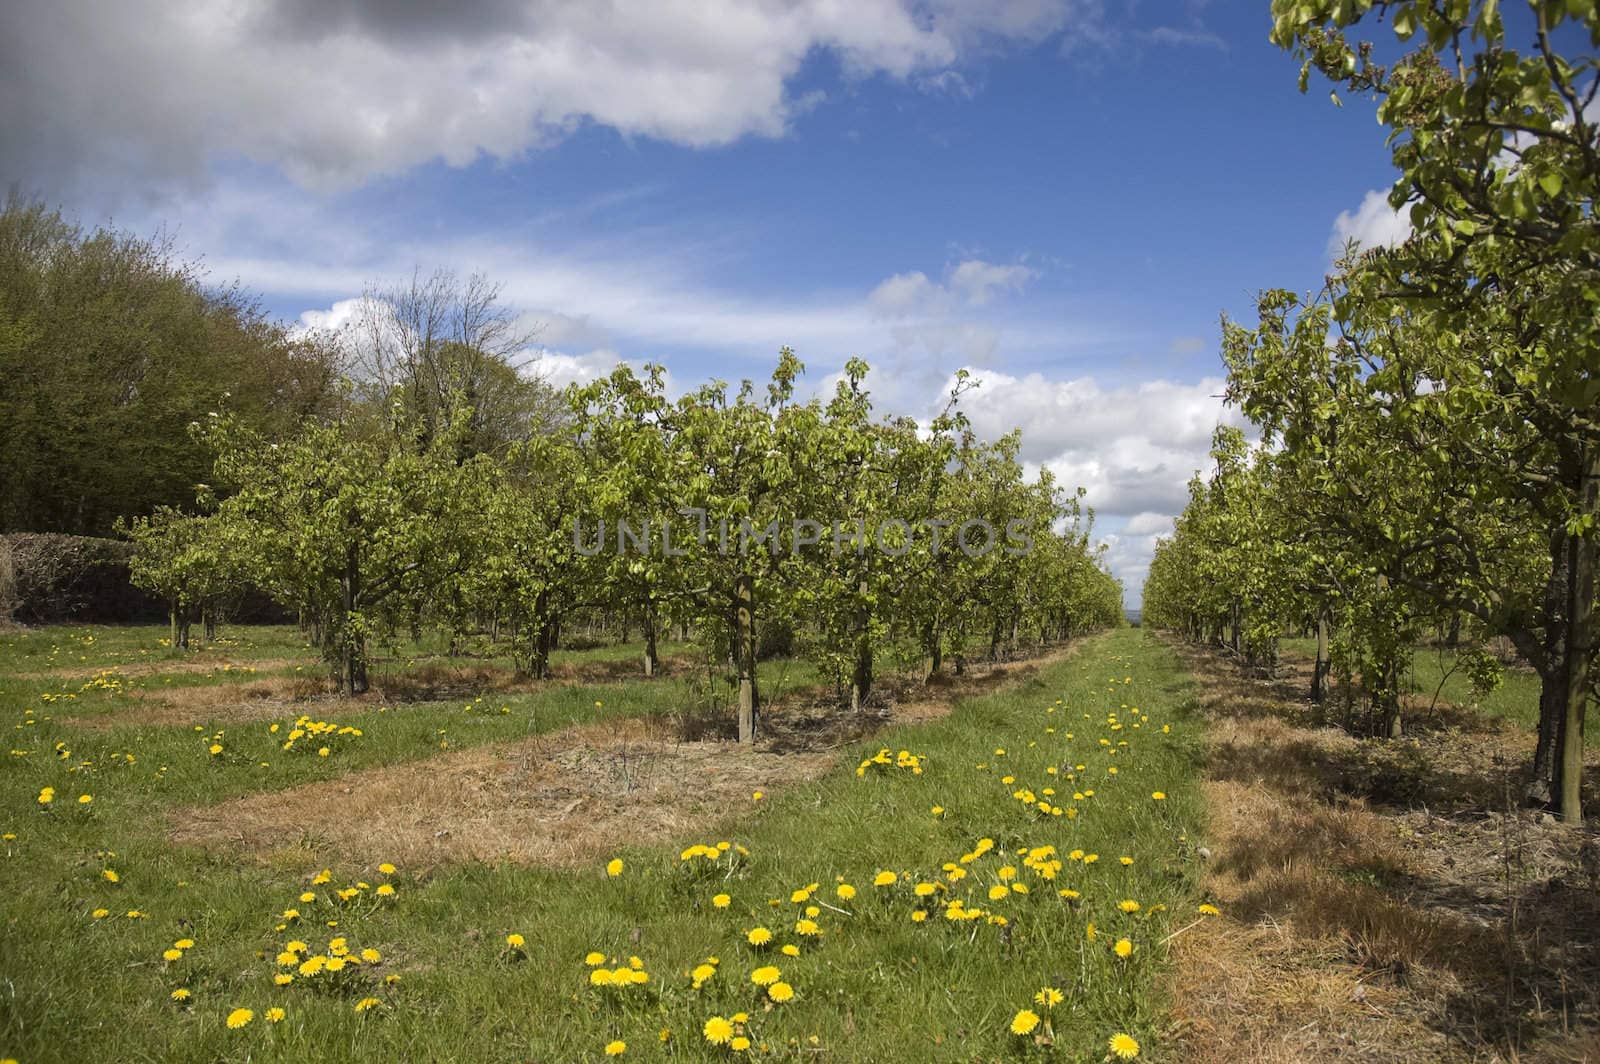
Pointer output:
x,y
1580,647
352,648
1553,685
932,650
652,659
745,649
1319,671
861,674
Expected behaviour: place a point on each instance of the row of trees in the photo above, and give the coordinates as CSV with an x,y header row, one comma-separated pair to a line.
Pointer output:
x,y
1430,420
725,511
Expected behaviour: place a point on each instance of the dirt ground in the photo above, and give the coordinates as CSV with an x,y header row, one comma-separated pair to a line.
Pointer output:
x,y
570,797
1382,901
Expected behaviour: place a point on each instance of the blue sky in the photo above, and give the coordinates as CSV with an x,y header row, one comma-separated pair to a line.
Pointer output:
x,y
1059,194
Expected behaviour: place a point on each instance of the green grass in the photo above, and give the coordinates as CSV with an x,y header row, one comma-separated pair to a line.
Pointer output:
x,y
875,985
1433,671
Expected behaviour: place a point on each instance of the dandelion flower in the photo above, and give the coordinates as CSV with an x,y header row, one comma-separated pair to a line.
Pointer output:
x,y
85,799
1123,1046
1024,1022
1049,997
739,1044
282,979
758,936
845,891
515,941
1210,910
616,1048
180,994
614,867
385,891
718,1031
100,914
110,876
594,958
172,955
275,1015
721,901
386,868
1159,796
780,992
1123,948
367,1003
765,975
884,879
791,950
239,1017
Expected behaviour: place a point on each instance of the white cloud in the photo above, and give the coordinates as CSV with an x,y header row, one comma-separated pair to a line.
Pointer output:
x,y
559,369
905,294
976,280
969,283
334,94
1373,224
1132,448
1148,524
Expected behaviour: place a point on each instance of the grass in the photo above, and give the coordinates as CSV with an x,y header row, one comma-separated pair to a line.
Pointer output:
x,y
1433,669
873,986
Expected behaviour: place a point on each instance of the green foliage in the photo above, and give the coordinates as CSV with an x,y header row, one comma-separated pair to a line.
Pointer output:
x,y
109,347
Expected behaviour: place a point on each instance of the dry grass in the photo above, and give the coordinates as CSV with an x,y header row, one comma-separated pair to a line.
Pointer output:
x,y
565,798
561,799
255,700
1382,901
162,666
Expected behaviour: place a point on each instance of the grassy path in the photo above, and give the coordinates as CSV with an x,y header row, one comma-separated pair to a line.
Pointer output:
x,y
973,842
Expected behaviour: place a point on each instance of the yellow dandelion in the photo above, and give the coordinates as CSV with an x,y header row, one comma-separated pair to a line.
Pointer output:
x,y
616,1048
1128,905
780,992
1049,997
718,1031
721,901
1123,1046
180,994
765,975
758,936
1210,910
1024,1022
594,958
1123,948
845,891
884,879
515,941
239,1017
275,1015
614,867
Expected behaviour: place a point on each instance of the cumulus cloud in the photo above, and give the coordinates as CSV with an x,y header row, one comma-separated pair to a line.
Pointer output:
x,y
334,94
1132,448
969,283
1373,224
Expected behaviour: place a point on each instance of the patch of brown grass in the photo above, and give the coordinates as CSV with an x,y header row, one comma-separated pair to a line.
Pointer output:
x,y
244,703
567,798
562,799
1379,903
